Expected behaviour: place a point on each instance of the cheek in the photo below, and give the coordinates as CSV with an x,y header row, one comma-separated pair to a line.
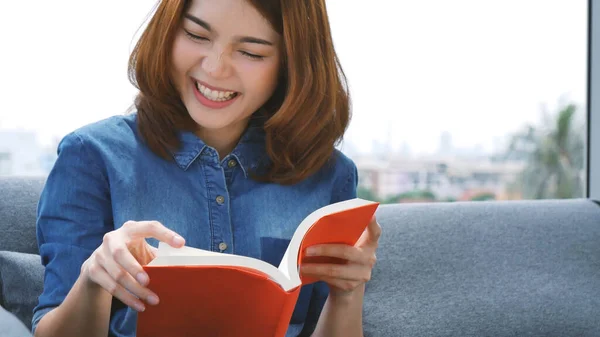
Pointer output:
x,y
262,79
183,59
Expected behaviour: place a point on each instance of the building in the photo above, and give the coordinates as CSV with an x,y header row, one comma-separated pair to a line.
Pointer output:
x,y
448,178
21,154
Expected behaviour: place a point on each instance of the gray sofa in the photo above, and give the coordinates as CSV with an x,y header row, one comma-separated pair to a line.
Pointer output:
x,y
526,268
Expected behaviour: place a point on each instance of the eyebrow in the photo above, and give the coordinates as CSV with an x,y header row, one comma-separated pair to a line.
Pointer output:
x,y
249,39
198,21
243,39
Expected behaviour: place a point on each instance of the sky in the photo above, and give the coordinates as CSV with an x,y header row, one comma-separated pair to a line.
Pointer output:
x,y
475,69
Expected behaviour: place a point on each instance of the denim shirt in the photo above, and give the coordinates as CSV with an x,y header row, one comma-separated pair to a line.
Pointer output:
x,y
105,175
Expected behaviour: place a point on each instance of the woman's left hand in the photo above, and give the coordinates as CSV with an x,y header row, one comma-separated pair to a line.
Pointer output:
x,y
344,279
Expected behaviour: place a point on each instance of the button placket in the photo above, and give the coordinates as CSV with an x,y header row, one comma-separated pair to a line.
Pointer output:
x,y
222,238
229,167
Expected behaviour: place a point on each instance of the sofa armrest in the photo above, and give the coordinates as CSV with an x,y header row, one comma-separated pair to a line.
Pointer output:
x,y
18,205
21,282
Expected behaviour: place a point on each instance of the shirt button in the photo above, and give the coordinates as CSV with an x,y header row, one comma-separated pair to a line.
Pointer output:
x,y
231,163
222,246
220,200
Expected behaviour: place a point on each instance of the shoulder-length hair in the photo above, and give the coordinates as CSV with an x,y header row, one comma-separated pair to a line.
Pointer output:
x,y
304,119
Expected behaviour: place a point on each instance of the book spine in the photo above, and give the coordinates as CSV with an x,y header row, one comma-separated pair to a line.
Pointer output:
x,y
286,311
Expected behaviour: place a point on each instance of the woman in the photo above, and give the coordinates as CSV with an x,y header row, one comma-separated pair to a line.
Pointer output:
x,y
230,147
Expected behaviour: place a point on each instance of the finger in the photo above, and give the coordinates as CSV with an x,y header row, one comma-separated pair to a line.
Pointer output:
x,y
100,276
350,272
153,229
374,230
154,251
125,259
122,267
125,280
349,253
114,248
370,236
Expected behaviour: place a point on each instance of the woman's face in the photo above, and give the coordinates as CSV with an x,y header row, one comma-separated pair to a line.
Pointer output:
x,y
226,60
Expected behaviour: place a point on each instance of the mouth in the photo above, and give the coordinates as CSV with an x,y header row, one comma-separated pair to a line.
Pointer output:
x,y
215,94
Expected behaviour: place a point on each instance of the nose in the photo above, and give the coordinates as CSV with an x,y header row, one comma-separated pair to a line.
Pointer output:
x,y
216,65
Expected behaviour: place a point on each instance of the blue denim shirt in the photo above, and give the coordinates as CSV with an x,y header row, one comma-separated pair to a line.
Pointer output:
x,y
105,175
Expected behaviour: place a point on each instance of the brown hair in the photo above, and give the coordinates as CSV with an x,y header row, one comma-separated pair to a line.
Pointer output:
x,y
306,116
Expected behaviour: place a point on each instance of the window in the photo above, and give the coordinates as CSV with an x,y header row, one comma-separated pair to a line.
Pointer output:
x,y
466,100
452,100
593,162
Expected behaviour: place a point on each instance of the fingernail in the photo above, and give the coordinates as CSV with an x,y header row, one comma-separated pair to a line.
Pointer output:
x,y
142,278
152,300
311,251
178,240
140,307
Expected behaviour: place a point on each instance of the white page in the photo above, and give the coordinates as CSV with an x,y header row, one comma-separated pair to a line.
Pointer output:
x,y
189,256
289,263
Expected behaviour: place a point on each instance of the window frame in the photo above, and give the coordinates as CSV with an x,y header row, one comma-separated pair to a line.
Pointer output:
x,y
593,106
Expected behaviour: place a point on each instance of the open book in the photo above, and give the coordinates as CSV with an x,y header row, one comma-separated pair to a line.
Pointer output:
x,y
215,294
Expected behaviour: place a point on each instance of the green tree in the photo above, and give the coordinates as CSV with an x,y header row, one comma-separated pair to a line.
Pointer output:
x,y
554,156
411,195
484,197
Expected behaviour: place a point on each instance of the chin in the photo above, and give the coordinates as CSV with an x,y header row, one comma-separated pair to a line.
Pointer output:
x,y
207,121
217,117
212,119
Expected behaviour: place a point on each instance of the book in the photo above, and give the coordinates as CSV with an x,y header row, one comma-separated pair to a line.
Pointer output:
x,y
206,293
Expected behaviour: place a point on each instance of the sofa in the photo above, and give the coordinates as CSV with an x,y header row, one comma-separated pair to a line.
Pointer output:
x,y
488,268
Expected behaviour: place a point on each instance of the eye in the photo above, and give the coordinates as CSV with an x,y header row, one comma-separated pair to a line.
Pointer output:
x,y
194,37
252,56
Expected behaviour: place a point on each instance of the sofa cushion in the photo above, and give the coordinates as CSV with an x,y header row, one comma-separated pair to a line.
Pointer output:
x,y
527,268
21,282
18,203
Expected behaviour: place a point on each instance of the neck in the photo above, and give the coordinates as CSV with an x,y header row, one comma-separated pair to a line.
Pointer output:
x,y
223,140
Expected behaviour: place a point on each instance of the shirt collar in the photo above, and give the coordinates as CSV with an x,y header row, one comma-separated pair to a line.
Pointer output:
x,y
249,153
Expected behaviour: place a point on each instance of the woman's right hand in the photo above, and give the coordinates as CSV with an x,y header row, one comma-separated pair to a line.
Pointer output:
x,y
116,265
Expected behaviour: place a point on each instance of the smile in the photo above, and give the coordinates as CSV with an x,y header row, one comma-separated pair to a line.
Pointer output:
x,y
212,97
215,95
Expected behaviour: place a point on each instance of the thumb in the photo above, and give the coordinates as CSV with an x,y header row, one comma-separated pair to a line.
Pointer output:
x,y
371,234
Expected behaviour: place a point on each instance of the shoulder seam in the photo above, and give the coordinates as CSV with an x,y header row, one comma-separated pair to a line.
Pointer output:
x,y
84,150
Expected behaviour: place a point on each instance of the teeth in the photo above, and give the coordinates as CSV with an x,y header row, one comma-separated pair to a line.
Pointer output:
x,y
214,95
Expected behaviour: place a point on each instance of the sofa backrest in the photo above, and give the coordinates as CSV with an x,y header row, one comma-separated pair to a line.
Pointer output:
x,y
514,268
518,268
18,205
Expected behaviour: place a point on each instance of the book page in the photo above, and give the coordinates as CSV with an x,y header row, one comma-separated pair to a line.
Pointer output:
x,y
357,208
189,256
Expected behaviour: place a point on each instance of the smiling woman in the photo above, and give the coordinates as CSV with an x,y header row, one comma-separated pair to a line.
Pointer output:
x,y
211,62
230,146
237,61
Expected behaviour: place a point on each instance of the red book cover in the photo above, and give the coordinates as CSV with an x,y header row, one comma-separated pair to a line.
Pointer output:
x,y
205,293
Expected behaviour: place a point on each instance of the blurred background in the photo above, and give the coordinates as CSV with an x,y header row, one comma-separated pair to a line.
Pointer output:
x,y
461,100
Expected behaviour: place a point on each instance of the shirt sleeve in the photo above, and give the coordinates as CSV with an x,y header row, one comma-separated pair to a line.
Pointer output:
x,y
345,188
74,213
347,183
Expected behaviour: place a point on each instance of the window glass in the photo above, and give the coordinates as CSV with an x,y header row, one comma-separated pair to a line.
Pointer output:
x,y
452,100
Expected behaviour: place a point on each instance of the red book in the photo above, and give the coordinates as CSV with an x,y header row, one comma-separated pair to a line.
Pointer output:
x,y
205,293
